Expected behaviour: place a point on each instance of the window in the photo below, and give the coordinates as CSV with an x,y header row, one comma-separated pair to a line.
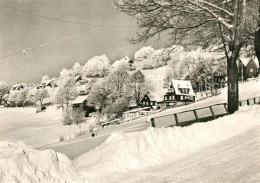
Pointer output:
x,y
251,70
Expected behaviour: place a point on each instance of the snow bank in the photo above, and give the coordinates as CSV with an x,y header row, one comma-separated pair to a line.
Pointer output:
x,y
154,146
22,163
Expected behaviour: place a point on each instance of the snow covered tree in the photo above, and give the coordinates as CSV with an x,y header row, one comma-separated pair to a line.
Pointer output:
x,y
118,79
78,115
67,92
67,116
4,89
118,107
40,95
12,98
65,73
76,69
139,86
45,78
97,66
143,54
22,96
202,22
100,94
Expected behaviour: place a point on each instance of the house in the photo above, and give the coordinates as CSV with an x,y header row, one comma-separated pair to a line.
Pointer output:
x,y
18,86
248,67
179,91
147,102
137,76
131,65
135,113
252,68
81,101
48,83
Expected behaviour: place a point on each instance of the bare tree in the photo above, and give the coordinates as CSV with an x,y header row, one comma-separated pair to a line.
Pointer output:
x,y
200,22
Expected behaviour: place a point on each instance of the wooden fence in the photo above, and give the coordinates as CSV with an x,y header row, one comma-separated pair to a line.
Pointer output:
x,y
202,114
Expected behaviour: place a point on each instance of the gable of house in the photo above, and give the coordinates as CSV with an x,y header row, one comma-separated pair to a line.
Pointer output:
x,y
146,101
182,87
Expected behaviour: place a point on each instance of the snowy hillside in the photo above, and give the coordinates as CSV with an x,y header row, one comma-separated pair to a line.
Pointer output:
x,y
124,152
22,163
121,152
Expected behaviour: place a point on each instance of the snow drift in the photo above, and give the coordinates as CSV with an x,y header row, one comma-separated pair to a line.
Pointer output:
x,y
22,163
154,146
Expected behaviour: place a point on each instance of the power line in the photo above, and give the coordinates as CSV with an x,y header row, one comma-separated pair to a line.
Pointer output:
x,y
24,51
62,20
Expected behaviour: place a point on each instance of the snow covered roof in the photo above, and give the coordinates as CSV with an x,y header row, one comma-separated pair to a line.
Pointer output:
x,y
46,82
80,99
246,60
177,84
256,61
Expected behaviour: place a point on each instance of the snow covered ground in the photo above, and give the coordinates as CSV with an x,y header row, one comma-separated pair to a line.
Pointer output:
x,y
138,150
40,129
37,129
124,153
23,163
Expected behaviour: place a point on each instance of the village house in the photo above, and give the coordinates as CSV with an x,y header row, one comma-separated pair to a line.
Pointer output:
x,y
20,86
179,91
48,83
248,67
147,102
81,102
135,113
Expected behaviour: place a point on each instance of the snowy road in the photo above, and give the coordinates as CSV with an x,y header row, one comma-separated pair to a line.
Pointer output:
x,y
234,160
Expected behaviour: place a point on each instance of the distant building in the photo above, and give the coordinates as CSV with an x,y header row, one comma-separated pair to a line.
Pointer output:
x,y
78,78
147,102
81,101
137,76
247,67
135,113
179,91
48,83
252,69
20,86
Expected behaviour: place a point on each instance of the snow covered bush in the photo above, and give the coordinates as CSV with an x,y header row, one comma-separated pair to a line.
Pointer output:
x,y
156,59
76,69
65,73
73,115
143,54
97,66
67,116
45,78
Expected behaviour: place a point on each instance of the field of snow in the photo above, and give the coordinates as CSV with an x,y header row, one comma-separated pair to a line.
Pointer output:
x,y
123,153
40,129
37,129
137,150
25,164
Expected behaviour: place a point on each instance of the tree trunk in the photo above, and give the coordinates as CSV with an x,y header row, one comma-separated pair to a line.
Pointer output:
x,y
257,41
233,95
